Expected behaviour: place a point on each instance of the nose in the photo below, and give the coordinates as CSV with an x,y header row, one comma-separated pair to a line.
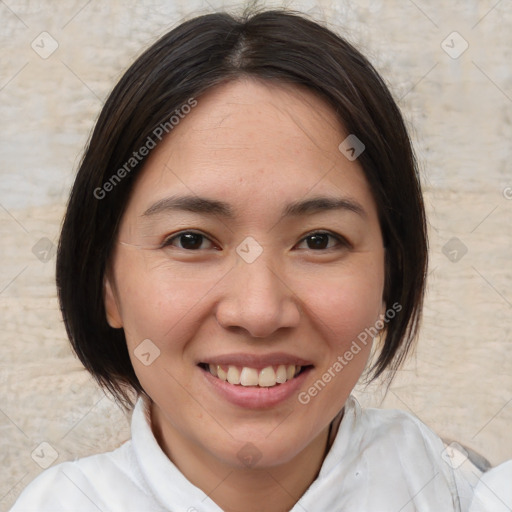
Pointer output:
x,y
257,299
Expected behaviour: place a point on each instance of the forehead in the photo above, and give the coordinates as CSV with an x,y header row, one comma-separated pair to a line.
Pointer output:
x,y
253,141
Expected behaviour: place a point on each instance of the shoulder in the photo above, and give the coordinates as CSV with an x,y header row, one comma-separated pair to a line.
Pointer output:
x,y
92,483
493,493
401,427
392,436
393,449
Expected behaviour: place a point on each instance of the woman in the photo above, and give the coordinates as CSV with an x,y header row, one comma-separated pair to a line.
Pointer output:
x,y
244,239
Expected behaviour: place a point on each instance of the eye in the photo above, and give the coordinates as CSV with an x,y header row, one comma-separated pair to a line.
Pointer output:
x,y
188,240
321,240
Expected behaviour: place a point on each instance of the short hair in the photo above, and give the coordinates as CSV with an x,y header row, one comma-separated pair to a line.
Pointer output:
x,y
275,46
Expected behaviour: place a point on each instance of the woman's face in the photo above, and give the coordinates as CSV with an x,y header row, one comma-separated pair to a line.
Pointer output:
x,y
251,245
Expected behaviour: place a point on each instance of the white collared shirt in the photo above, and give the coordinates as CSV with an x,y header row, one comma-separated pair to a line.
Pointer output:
x,y
380,461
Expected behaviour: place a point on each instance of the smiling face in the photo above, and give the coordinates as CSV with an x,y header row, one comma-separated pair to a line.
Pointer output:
x,y
250,247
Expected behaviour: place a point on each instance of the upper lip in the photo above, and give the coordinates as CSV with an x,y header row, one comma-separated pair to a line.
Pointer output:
x,y
256,361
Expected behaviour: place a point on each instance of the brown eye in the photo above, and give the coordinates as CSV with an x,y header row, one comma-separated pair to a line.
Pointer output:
x,y
320,241
188,240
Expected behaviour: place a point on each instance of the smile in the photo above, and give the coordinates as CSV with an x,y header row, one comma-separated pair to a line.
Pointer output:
x,y
255,382
267,377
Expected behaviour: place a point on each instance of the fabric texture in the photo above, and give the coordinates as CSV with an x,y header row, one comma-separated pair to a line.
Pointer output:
x,y
380,461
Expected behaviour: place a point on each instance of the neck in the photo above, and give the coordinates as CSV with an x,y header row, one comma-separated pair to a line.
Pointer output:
x,y
234,489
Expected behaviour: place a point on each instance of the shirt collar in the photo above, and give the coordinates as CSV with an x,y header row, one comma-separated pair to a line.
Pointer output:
x,y
170,487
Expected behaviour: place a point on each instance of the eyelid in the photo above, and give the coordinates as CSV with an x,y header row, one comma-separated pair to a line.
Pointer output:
x,y
342,241
168,239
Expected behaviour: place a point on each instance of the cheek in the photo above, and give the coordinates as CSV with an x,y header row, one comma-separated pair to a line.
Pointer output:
x,y
344,311
345,306
164,307
157,302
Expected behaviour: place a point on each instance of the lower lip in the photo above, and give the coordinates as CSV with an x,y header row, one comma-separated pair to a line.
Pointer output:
x,y
254,397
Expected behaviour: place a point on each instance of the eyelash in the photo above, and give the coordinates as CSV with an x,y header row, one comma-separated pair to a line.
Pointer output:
x,y
168,241
341,241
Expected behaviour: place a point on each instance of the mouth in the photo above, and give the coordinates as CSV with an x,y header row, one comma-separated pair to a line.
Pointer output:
x,y
253,381
246,376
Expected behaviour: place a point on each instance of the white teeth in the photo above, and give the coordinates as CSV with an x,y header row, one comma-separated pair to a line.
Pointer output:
x,y
233,375
281,374
246,376
249,377
267,377
221,374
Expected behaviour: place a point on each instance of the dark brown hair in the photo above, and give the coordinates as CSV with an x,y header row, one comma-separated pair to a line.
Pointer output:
x,y
199,54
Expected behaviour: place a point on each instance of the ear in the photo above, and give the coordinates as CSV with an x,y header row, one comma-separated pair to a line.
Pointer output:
x,y
111,306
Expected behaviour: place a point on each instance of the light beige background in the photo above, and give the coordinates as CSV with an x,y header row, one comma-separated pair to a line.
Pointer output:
x,y
460,112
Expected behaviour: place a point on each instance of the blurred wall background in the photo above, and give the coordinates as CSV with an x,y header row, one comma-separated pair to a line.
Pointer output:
x,y
449,68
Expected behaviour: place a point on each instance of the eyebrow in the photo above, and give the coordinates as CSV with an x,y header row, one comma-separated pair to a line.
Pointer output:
x,y
207,206
322,204
193,204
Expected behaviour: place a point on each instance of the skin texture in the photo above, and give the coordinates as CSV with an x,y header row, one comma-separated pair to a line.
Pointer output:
x,y
258,146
